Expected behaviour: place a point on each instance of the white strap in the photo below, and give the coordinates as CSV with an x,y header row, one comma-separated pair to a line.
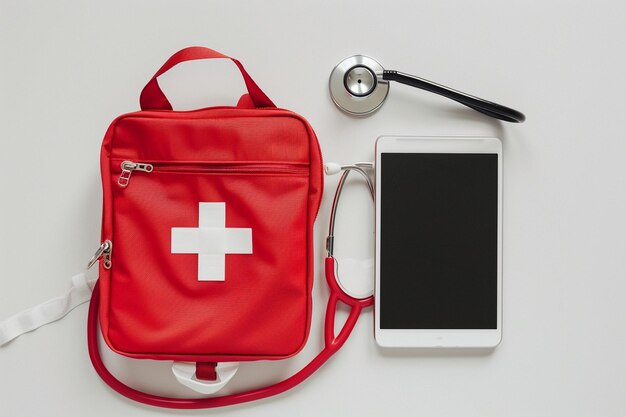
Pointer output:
x,y
52,310
185,373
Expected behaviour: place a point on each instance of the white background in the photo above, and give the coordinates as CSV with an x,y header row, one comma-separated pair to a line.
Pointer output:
x,y
68,67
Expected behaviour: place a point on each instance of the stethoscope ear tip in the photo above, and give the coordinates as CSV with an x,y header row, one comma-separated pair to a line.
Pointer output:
x,y
331,168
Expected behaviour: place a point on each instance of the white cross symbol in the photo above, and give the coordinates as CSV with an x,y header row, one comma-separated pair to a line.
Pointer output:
x,y
211,241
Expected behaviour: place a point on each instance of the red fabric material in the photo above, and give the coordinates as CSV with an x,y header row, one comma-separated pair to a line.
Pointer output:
x,y
265,164
152,98
206,371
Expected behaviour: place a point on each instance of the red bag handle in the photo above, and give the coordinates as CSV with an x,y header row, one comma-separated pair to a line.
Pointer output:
x,y
332,343
152,97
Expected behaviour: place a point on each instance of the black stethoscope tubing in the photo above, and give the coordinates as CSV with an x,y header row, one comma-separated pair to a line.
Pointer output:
x,y
486,107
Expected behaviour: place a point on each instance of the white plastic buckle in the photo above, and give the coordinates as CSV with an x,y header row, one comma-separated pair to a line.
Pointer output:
x,y
185,373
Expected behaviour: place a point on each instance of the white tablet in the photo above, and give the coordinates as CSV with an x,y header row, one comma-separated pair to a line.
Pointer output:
x,y
438,242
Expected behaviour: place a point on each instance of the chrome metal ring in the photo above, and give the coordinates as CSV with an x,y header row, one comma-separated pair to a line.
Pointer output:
x,y
356,86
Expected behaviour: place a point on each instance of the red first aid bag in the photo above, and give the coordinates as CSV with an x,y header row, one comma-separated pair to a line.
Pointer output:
x,y
208,218
208,228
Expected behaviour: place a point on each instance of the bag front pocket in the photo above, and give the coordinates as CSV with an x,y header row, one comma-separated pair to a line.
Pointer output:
x,y
210,259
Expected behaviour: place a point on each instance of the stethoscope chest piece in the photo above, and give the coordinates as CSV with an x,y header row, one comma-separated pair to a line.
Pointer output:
x,y
356,86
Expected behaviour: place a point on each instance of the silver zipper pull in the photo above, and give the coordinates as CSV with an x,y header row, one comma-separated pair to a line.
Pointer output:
x,y
104,252
127,169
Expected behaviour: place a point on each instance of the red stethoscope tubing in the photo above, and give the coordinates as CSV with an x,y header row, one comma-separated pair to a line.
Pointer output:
x,y
332,343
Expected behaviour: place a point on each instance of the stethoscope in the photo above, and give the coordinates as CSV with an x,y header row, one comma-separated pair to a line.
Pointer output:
x,y
359,86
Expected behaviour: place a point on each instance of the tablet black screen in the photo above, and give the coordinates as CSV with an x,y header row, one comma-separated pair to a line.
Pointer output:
x,y
438,243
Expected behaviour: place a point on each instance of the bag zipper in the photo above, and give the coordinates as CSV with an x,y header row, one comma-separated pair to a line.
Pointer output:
x,y
128,167
104,252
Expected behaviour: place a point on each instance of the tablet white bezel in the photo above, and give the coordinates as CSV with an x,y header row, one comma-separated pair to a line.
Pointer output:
x,y
438,337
